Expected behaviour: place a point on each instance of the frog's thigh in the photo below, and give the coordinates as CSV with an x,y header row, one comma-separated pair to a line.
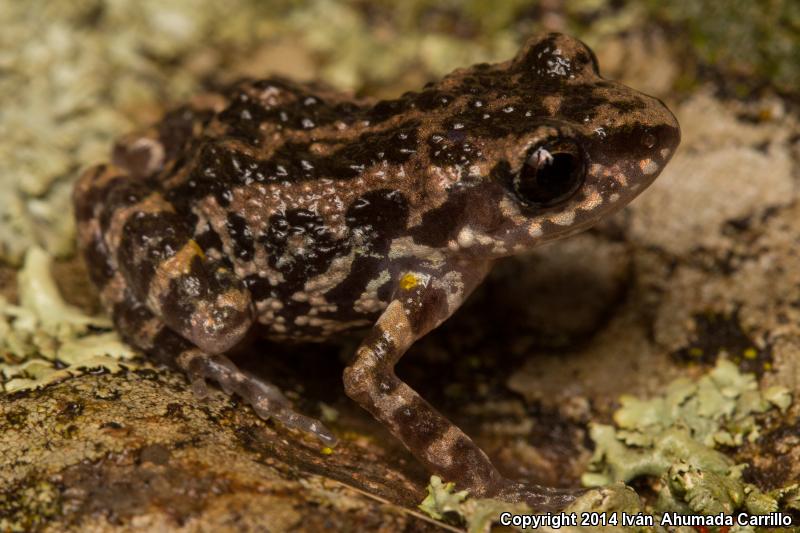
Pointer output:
x,y
152,246
434,440
147,332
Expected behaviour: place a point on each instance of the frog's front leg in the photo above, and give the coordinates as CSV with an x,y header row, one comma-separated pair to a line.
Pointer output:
x,y
422,301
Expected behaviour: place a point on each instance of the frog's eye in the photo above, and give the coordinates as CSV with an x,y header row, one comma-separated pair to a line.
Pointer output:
x,y
552,172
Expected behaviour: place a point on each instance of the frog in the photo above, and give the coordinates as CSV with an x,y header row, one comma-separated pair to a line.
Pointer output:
x,y
294,212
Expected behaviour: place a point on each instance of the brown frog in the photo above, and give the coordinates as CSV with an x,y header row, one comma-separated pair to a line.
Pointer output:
x,y
296,213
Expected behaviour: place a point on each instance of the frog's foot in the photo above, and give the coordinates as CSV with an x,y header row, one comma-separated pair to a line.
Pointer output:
x,y
265,398
543,499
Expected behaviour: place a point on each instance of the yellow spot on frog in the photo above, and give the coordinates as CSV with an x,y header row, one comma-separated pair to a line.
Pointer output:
x,y
196,248
182,260
750,353
696,352
408,281
327,450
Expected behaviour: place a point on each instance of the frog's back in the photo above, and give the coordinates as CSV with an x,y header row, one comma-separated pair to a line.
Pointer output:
x,y
309,196
317,201
300,191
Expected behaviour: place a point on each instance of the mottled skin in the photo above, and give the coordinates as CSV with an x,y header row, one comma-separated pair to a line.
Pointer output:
x,y
298,213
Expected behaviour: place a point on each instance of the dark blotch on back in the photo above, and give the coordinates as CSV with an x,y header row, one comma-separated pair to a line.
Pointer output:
x,y
453,147
394,146
242,237
380,215
295,108
220,169
260,288
244,117
178,127
147,240
300,246
124,193
209,240
474,203
377,217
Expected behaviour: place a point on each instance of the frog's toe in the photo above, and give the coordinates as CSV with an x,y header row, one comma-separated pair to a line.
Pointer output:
x,y
538,497
265,398
268,401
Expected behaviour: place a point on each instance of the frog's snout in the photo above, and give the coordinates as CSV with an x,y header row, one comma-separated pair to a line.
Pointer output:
x,y
664,136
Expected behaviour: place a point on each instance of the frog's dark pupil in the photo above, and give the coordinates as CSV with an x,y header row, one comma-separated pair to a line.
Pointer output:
x,y
551,174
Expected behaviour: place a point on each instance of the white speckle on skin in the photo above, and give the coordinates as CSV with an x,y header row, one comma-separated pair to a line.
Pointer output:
x,y
648,166
317,300
368,302
484,239
510,210
406,247
565,218
614,197
593,199
535,229
466,238
665,152
453,286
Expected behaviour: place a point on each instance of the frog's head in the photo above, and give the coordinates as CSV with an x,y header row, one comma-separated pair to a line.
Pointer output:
x,y
583,148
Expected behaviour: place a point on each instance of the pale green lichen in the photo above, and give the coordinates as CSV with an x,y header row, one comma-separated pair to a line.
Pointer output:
x,y
44,340
442,499
673,437
750,42
72,73
717,409
670,437
443,502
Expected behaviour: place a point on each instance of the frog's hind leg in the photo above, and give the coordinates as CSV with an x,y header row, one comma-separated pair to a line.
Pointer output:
x,y
141,327
265,398
125,224
151,335
422,301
